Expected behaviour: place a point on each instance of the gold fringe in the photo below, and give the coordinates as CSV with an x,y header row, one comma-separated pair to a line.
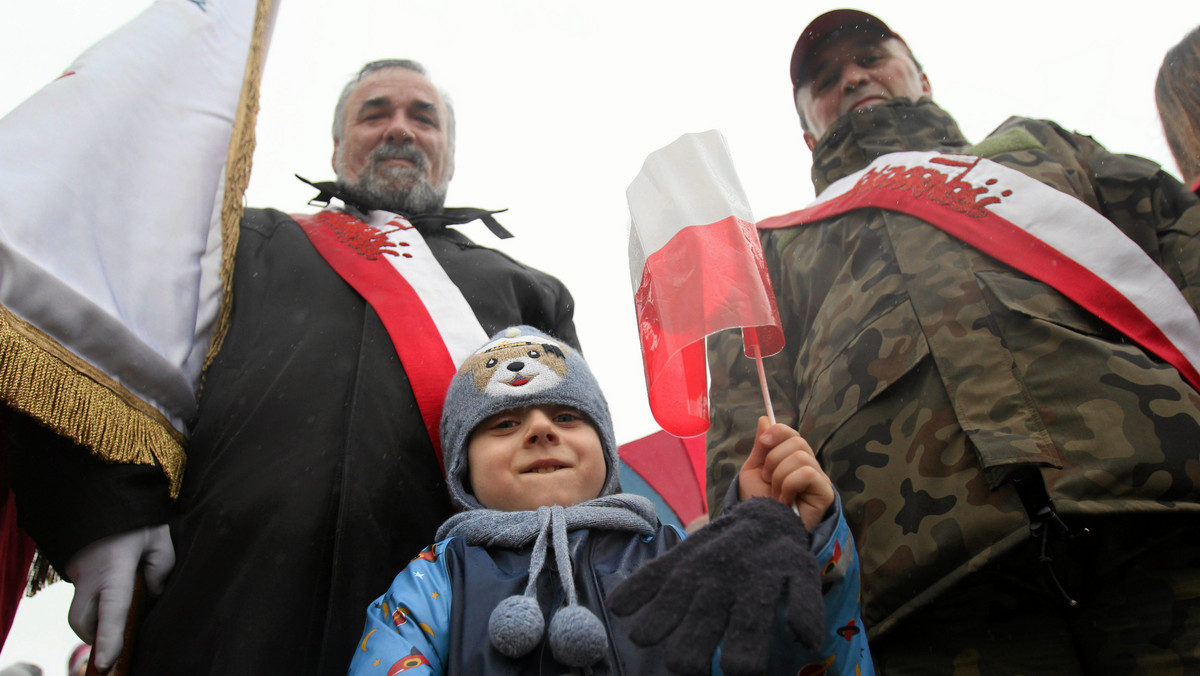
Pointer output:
x,y
237,170
46,381
41,575
76,400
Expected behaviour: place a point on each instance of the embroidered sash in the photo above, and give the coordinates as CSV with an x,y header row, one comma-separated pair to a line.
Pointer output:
x,y
1040,231
389,264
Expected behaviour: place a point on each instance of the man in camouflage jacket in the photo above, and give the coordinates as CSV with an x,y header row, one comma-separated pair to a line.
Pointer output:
x,y
962,407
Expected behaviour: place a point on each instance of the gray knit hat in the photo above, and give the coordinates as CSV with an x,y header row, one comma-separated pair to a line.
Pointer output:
x,y
520,366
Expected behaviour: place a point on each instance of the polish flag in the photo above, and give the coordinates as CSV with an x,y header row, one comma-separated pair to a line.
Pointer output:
x,y
697,267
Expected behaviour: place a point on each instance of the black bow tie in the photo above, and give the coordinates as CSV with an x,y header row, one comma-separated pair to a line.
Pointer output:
x,y
430,221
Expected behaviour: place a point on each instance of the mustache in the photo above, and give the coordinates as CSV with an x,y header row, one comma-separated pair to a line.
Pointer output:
x,y
392,151
865,93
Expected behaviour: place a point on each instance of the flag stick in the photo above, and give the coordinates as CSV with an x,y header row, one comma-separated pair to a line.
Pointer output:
x,y
762,381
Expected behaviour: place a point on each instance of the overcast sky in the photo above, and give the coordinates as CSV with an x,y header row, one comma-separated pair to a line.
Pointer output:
x,y
559,103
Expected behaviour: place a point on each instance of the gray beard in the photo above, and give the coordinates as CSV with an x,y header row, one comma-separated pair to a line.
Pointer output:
x,y
398,189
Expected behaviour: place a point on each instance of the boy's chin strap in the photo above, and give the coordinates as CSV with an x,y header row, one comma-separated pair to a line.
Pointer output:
x,y
577,637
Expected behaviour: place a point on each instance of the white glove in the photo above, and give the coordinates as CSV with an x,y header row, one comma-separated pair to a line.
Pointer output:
x,y
104,573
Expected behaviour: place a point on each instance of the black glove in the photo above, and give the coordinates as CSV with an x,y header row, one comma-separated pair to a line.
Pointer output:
x,y
726,582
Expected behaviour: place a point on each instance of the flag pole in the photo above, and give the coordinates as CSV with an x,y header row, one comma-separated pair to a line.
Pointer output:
x,y
762,382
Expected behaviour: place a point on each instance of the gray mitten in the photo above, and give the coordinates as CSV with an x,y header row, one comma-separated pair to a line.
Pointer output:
x,y
722,587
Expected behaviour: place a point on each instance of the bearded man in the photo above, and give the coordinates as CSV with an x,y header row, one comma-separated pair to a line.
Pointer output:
x,y
313,442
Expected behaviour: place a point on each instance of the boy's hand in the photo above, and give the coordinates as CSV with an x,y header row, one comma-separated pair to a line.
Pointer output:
x,y
783,466
726,586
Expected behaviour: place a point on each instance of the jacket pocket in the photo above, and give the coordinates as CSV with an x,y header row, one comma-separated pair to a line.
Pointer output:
x,y
1038,300
837,384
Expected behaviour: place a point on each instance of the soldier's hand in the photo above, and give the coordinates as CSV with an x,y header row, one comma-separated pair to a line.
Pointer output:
x,y
782,466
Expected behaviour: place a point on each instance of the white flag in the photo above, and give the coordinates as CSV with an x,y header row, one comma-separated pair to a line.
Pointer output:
x,y
112,180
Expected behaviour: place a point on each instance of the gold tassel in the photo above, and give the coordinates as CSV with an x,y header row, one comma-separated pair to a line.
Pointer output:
x,y
76,400
41,575
237,170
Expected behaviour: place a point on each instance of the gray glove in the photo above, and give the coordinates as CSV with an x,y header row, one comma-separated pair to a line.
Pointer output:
x,y
104,574
723,586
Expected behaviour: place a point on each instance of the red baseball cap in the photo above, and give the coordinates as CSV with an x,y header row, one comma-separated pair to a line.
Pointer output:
x,y
822,26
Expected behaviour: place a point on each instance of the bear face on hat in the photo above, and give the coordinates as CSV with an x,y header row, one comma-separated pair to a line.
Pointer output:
x,y
519,367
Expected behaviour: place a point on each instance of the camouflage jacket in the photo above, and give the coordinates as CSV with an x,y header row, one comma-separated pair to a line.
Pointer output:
x,y
923,372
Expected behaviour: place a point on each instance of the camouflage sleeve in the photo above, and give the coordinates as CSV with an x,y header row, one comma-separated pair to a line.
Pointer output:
x,y
736,400
1149,205
1180,247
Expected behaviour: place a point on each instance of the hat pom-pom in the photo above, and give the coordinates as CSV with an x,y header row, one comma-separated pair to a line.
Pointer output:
x,y
577,637
516,625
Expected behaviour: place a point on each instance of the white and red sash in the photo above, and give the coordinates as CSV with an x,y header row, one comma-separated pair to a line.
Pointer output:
x,y
1040,231
429,321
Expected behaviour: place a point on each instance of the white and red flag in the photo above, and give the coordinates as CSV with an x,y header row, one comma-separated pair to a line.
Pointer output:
x,y
697,268
120,187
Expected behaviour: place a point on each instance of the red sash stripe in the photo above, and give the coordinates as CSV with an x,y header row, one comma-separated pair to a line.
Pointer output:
x,y
1014,246
414,334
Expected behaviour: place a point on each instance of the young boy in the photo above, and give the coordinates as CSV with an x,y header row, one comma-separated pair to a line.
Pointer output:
x,y
532,463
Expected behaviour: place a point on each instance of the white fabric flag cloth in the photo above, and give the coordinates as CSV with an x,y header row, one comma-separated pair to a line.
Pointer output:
x,y
111,185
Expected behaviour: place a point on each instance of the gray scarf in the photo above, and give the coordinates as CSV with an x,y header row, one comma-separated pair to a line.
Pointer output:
x,y
577,637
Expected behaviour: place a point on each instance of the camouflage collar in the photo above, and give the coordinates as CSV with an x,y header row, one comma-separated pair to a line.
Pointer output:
x,y
857,138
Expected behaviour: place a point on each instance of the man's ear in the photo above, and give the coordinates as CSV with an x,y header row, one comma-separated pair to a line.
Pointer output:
x,y
333,160
809,139
926,88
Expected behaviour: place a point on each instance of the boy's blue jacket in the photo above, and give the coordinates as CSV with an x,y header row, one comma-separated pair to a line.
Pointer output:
x,y
433,619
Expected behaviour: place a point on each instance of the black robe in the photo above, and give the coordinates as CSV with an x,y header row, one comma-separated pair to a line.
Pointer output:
x,y
310,478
